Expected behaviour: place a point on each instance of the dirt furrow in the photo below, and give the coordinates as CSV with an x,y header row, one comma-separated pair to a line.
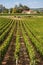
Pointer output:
x,y
23,56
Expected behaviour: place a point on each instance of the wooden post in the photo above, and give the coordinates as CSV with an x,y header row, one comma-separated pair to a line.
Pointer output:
x,y
16,61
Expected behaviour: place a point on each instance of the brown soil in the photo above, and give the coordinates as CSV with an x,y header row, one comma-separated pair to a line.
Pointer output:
x,y
23,56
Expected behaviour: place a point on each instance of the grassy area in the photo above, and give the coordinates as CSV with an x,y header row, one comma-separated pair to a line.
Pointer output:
x,y
18,14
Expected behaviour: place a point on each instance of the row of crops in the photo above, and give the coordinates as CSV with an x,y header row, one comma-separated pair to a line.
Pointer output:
x,y
35,33
6,30
32,33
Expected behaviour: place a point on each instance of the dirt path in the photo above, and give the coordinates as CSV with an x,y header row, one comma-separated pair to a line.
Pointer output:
x,y
23,56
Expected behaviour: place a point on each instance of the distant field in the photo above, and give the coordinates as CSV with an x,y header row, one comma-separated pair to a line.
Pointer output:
x,y
20,14
21,40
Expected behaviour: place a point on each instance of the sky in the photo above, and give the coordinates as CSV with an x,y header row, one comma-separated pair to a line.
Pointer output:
x,y
29,3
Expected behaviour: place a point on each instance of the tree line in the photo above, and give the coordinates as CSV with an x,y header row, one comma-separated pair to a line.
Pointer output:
x,y
17,9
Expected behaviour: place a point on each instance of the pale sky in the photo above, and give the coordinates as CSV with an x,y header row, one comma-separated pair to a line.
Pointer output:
x,y
29,3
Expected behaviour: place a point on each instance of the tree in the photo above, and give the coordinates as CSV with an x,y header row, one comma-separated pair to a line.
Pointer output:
x,y
5,11
38,12
11,9
16,6
26,8
20,8
14,10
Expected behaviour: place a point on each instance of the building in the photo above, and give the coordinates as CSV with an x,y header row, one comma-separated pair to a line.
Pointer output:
x,y
29,12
